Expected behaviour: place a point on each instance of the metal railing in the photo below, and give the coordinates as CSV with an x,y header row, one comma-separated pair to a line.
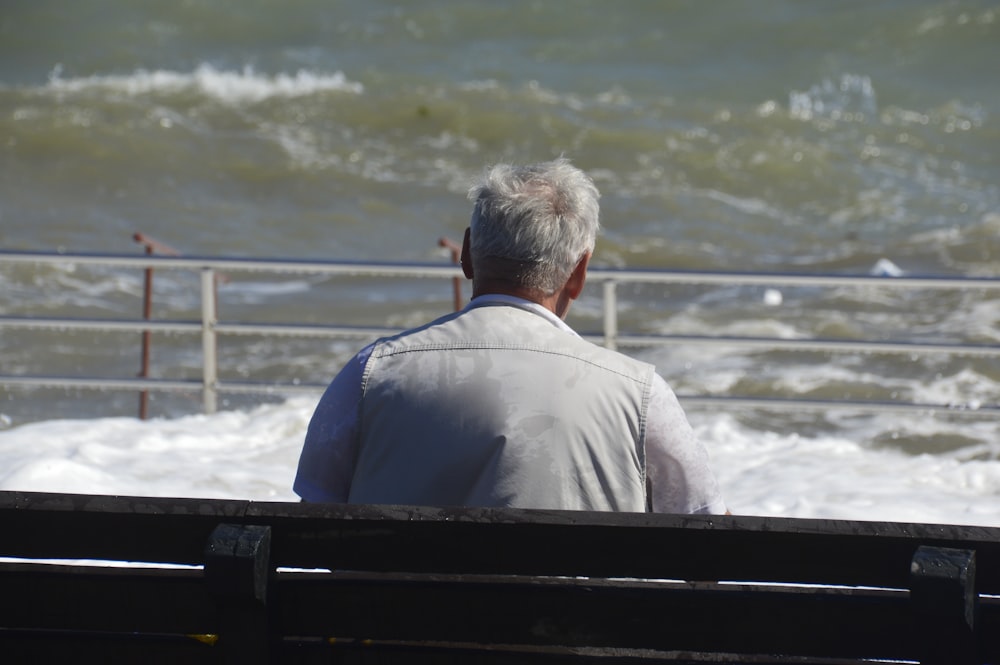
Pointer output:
x,y
209,327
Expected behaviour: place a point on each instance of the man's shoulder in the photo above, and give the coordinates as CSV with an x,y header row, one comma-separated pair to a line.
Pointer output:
x,y
540,331
620,362
410,333
510,329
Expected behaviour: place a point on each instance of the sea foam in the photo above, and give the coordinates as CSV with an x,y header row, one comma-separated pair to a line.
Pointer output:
x,y
235,87
253,454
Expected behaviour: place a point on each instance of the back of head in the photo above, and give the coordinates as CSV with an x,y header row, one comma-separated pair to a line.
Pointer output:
x,y
540,219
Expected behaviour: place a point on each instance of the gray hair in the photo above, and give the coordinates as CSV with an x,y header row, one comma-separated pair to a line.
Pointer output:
x,y
543,216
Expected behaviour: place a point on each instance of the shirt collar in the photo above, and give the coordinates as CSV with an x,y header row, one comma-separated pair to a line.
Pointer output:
x,y
500,298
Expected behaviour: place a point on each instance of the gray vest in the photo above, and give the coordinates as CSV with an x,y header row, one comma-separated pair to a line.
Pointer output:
x,y
495,406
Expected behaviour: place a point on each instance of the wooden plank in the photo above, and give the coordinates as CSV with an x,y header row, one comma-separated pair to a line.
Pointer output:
x,y
486,540
595,613
75,526
989,629
44,647
321,652
592,544
88,598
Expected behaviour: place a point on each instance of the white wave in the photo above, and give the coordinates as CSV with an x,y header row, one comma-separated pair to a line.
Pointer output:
x,y
232,454
301,145
966,389
234,87
260,292
980,319
750,206
851,98
885,268
692,322
766,473
253,455
65,285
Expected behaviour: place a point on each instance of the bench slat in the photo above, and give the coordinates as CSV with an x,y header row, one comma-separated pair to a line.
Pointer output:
x,y
493,541
692,617
68,597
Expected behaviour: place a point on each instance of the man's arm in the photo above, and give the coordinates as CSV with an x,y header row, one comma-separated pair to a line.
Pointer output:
x,y
677,465
326,464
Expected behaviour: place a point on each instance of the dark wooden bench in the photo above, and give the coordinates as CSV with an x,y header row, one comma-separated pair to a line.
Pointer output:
x,y
298,583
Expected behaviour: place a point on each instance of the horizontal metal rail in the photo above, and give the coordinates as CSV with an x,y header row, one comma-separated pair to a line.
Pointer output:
x,y
93,383
702,401
139,325
780,403
799,344
386,269
349,332
348,268
165,385
210,328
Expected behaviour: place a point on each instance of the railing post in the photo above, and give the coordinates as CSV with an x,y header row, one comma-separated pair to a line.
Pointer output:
x,y
152,246
209,365
610,315
456,258
147,313
945,603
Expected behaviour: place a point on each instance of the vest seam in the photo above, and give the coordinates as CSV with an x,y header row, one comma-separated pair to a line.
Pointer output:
x,y
382,352
641,438
366,374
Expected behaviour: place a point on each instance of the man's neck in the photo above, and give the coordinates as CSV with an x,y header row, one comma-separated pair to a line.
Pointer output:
x,y
557,303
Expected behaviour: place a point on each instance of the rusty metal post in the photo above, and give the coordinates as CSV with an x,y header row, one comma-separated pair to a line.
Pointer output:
x,y
147,309
147,313
456,258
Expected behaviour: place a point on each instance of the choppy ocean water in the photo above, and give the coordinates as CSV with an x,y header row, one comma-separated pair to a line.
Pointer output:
x,y
828,137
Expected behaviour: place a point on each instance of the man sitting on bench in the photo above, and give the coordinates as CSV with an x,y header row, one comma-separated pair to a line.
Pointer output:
x,y
502,404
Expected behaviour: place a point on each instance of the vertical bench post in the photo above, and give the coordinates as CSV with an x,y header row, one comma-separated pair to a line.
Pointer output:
x,y
943,592
237,570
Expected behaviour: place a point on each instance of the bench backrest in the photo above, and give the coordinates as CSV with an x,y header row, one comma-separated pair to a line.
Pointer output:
x,y
278,582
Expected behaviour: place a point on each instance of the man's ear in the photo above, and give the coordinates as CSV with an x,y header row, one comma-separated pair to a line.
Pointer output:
x,y
577,278
467,254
